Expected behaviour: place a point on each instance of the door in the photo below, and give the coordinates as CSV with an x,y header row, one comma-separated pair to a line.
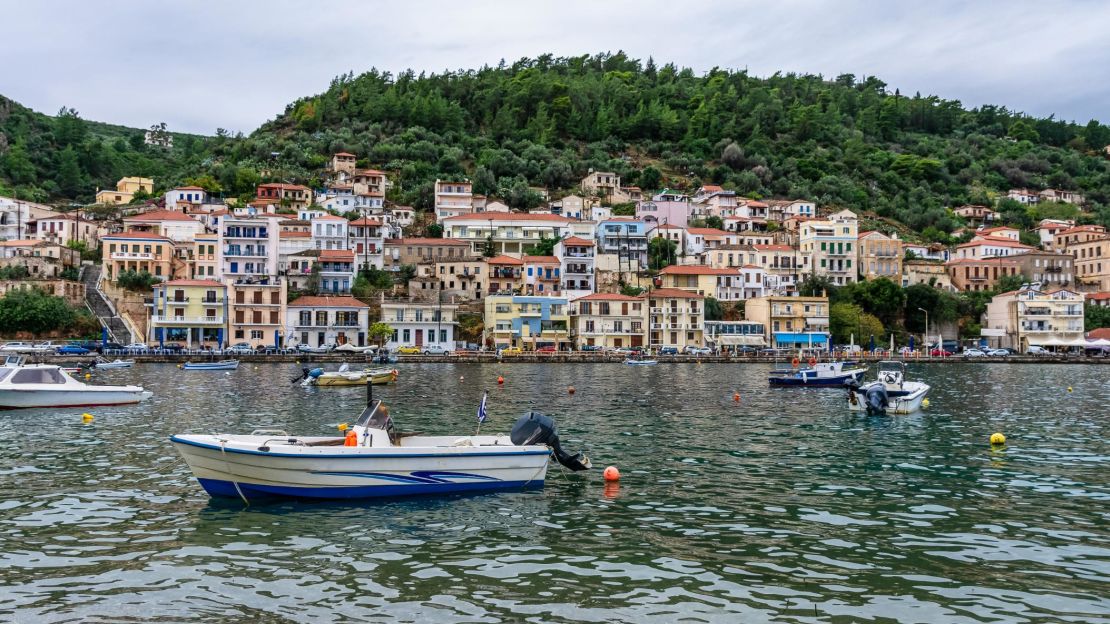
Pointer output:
x,y
419,337
637,340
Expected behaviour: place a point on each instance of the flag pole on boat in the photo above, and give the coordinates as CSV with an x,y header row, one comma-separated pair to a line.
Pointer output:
x,y
482,412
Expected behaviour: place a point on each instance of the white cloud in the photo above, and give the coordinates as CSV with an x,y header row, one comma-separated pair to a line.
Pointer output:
x,y
209,64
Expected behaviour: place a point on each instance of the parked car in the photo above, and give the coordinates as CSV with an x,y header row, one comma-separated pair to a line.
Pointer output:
x,y
998,352
435,350
668,350
940,353
974,353
409,350
692,350
242,348
745,350
72,349
17,347
510,351
48,346
592,348
173,347
547,349
1035,350
136,347
905,351
110,346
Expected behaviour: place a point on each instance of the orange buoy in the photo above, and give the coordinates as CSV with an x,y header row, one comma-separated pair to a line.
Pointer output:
x,y
570,389
612,474
812,362
736,396
500,380
794,362
351,439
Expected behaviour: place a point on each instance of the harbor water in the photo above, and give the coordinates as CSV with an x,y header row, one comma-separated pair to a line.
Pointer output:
x,y
781,506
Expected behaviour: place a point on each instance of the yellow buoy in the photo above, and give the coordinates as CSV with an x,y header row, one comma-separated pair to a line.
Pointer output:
x,y
1069,388
342,426
925,403
89,376
87,417
997,438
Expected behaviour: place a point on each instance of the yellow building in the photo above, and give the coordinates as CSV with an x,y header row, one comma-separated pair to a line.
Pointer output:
x,y
257,313
792,322
125,191
189,312
528,323
676,318
137,251
205,259
880,256
608,320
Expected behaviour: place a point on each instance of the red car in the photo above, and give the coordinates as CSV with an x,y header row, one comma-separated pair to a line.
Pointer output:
x,y
940,353
546,349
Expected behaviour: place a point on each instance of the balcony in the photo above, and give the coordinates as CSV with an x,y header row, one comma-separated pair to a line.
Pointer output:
x,y
120,255
573,254
244,253
189,320
311,327
657,326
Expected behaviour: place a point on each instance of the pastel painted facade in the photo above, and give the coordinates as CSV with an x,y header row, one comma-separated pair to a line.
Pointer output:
x,y
327,320
182,198
205,257
977,215
460,279
1049,269
791,322
880,255
527,323
420,324
728,335
402,251
786,266
577,258
257,313
676,318
16,217
292,196
136,251
930,272
608,320
329,232
989,247
627,239
125,191
1066,239
723,284
63,228
247,248
1092,263
176,226
366,238
452,199
976,274
831,244
1031,317
189,312
543,275
659,212
506,275
513,233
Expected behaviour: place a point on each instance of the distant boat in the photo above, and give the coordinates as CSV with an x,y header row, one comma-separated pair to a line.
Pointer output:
x,y
346,377
102,363
221,365
632,362
818,375
889,394
47,385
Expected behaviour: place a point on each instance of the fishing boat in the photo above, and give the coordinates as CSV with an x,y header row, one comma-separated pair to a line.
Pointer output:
x,y
889,394
641,362
818,375
102,363
47,385
221,365
347,377
373,460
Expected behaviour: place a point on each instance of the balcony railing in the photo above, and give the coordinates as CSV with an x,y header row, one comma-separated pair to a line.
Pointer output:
x,y
120,255
210,320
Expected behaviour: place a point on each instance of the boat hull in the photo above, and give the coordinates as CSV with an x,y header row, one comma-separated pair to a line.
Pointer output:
x,y
794,379
21,399
211,365
340,379
338,472
906,402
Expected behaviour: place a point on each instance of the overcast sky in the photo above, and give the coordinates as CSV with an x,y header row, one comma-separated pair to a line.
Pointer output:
x,y
200,65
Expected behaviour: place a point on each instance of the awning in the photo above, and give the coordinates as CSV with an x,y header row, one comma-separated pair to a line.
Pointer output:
x,y
1056,342
731,340
803,339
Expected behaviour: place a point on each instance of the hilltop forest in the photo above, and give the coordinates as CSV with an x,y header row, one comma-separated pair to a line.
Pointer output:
x,y
847,141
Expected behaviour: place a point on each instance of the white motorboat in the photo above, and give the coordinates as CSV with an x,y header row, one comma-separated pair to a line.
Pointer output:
x,y
47,385
817,374
102,363
222,365
889,394
373,460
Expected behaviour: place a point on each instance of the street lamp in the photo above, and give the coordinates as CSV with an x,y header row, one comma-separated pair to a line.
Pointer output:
x,y
926,340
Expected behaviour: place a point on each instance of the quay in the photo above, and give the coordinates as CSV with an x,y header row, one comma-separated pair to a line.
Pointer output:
x,y
554,358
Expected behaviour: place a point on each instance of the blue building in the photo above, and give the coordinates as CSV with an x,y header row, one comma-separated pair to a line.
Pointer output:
x,y
527,323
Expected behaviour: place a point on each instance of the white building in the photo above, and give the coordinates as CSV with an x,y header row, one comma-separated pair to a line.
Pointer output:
x,y
184,197
247,248
14,215
367,240
419,324
318,321
577,258
452,199
329,232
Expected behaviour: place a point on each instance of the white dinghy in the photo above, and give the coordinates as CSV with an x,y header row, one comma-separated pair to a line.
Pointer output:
x,y
373,460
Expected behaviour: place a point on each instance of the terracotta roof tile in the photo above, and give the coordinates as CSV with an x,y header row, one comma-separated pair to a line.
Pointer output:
x,y
674,293
326,302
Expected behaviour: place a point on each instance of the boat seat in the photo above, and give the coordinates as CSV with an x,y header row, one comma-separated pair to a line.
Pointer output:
x,y
330,442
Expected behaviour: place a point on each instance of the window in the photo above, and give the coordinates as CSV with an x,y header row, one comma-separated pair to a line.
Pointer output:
x,y
405,335
256,334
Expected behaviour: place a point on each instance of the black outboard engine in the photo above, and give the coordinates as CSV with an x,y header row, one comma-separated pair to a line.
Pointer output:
x,y
536,428
875,399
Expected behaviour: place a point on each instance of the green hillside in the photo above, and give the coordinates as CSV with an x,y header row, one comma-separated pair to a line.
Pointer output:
x,y
846,141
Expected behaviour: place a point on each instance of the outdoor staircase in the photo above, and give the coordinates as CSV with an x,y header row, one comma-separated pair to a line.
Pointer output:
x,y
95,300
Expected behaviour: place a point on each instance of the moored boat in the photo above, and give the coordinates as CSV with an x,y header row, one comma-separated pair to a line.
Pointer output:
x,y
373,460
346,377
102,363
818,374
47,385
221,365
889,394
632,362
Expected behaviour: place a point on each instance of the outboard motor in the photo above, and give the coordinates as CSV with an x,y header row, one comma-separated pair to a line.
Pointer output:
x,y
536,428
875,399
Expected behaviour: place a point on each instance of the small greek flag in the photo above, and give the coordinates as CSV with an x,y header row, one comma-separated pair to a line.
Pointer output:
x,y
482,409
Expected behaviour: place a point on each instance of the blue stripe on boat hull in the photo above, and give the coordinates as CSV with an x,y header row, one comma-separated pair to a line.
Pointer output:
x,y
221,488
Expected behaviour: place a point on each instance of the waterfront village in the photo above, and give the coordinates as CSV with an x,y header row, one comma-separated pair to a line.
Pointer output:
x,y
308,268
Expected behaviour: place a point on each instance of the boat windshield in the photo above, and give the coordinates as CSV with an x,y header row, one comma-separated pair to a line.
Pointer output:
x,y
38,376
4,372
896,367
